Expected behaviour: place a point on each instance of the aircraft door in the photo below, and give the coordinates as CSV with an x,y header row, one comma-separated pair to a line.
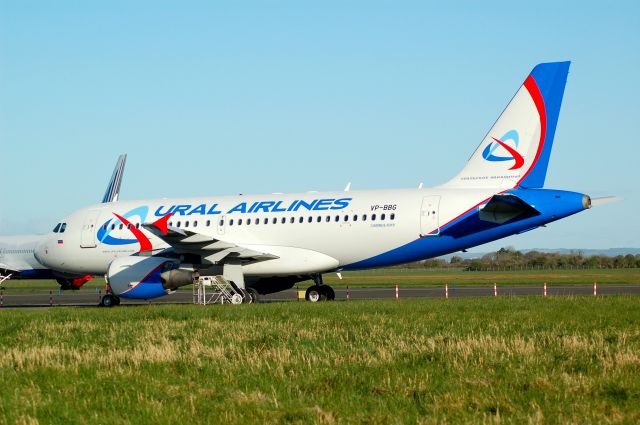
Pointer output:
x,y
88,234
429,216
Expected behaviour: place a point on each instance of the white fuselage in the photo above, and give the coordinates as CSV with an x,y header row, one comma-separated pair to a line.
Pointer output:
x,y
328,231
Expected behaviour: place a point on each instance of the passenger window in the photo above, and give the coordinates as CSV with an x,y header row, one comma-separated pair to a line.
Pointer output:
x,y
310,219
57,228
104,227
186,223
337,218
355,217
231,222
195,223
373,217
113,226
392,216
257,221
319,219
364,217
221,223
301,220
239,222
137,225
275,220
346,218
208,223
382,216
171,224
248,222
121,226
178,224
266,221
328,219
292,220
284,220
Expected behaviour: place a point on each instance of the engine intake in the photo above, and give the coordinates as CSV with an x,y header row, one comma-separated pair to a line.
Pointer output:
x,y
148,277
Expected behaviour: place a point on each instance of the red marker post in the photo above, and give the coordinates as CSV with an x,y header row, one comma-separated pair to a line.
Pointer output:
x,y
347,292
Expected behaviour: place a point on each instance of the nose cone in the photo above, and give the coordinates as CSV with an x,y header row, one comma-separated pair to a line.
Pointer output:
x,y
47,253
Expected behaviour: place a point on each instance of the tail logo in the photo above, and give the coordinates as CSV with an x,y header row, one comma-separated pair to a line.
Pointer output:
x,y
513,154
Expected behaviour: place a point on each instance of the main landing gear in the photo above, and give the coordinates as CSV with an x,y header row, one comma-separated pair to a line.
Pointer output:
x,y
319,291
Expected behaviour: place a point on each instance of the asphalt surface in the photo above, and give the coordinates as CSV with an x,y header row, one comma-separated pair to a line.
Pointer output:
x,y
14,297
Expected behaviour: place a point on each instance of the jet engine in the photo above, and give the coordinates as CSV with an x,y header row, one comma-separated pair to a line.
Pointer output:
x,y
148,277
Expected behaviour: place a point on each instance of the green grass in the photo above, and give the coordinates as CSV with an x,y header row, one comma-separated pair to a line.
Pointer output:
x,y
416,278
509,360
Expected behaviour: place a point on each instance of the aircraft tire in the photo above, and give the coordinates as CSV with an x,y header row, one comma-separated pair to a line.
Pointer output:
x,y
117,300
246,296
315,294
255,297
108,301
329,292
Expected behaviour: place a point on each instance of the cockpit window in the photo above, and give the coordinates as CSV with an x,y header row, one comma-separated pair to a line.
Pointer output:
x,y
55,229
63,227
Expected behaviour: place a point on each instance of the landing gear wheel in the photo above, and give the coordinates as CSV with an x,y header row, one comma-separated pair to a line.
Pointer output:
x,y
255,297
315,294
109,301
246,296
329,292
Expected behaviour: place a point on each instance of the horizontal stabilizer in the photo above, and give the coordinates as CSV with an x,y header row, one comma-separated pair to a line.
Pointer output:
x,y
503,208
596,202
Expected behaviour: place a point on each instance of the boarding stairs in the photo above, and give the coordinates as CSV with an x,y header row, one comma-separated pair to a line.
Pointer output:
x,y
215,290
4,278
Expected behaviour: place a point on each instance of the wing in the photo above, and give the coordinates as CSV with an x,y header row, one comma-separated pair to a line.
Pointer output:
x,y
212,250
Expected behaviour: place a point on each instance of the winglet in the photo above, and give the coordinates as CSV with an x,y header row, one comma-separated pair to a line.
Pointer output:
x,y
161,223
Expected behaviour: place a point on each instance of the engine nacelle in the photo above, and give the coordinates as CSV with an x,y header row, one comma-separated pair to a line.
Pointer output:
x,y
148,277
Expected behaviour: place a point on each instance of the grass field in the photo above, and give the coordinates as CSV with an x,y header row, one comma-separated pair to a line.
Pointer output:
x,y
505,360
419,278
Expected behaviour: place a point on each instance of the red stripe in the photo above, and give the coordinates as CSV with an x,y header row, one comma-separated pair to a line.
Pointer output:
x,y
145,243
532,87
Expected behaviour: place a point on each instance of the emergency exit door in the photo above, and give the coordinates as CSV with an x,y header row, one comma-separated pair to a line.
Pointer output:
x,y
429,216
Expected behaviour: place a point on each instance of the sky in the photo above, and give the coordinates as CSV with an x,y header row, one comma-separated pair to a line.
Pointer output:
x,y
226,97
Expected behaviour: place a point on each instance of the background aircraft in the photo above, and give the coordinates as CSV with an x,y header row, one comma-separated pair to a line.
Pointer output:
x,y
17,260
266,243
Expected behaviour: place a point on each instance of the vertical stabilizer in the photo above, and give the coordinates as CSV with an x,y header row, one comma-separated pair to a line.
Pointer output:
x,y
515,152
113,189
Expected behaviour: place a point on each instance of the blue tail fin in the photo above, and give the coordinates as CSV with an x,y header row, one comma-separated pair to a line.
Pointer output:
x,y
515,152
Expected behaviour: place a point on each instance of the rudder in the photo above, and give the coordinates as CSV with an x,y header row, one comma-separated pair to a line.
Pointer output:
x,y
516,151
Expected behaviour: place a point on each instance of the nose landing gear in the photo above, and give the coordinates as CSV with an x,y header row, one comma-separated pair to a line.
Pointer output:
x,y
109,300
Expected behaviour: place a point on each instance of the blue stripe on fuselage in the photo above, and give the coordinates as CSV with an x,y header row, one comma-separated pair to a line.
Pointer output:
x,y
552,204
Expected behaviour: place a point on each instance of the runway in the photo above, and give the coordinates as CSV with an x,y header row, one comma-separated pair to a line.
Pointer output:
x,y
14,297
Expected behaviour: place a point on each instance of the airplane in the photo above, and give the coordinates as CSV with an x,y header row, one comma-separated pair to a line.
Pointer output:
x,y
17,260
267,243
